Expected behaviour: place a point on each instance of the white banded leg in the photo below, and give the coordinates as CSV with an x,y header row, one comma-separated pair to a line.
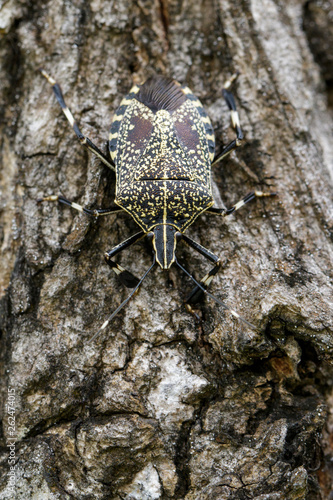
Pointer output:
x,y
196,294
126,277
110,318
85,141
249,197
234,313
80,208
229,98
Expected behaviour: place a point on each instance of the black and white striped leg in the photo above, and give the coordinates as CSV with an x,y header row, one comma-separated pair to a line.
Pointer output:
x,y
110,318
87,143
249,197
127,278
80,208
229,98
196,294
198,284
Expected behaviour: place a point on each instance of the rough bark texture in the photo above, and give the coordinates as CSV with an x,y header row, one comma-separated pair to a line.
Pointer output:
x,y
162,406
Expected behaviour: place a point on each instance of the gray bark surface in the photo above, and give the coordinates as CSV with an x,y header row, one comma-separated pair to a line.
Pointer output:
x,y
162,406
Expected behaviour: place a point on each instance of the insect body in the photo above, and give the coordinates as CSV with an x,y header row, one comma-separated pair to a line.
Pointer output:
x,y
162,147
162,144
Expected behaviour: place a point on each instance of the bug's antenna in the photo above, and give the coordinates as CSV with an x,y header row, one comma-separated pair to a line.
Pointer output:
x,y
214,298
105,324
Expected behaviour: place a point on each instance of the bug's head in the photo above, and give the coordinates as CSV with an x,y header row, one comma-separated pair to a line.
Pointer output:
x,y
164,242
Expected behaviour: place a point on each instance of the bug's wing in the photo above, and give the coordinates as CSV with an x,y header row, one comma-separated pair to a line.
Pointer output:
x,y
159,92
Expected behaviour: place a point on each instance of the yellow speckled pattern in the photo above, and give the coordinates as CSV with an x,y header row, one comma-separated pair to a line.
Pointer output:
x,y
163,158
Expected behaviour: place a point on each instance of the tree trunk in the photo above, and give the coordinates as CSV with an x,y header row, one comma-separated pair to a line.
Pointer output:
x,y
162,405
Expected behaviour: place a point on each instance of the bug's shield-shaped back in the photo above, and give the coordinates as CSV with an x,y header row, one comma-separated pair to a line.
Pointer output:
x,y
160,141
164,202
160,137
164,158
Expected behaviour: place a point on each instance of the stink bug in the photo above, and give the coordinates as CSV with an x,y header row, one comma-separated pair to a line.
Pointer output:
x,y
162,147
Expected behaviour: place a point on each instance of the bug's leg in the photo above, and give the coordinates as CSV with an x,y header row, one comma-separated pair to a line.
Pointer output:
x,y
105,324
229,98
80,208
87,143
127,278
199,285
249,197
197,292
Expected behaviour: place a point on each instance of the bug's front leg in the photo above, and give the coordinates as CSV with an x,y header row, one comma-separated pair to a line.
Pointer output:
x,y
196,294
201,286
126,277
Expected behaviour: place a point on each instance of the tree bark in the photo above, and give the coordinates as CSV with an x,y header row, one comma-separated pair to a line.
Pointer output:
x,y
161,405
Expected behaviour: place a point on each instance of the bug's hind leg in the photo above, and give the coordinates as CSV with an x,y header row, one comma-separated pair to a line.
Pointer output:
x,y
126,277
85,141
229,98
